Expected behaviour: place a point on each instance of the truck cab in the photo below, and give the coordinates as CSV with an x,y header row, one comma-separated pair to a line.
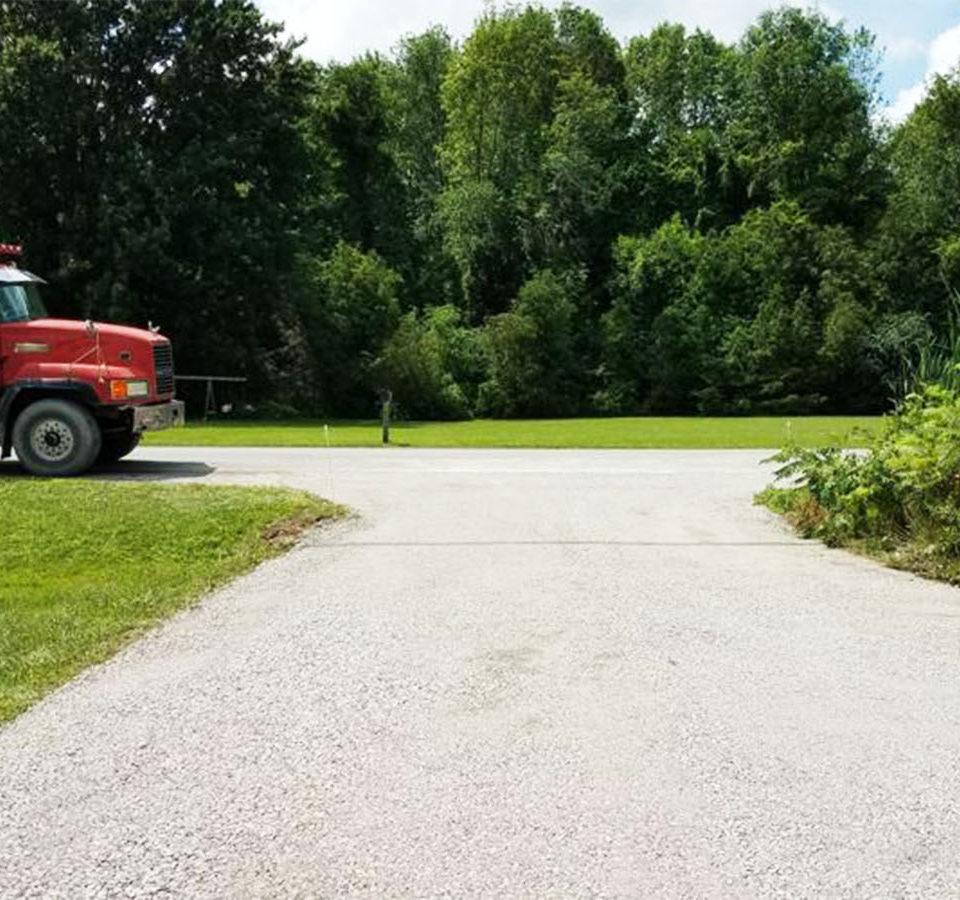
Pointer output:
x,y
75,393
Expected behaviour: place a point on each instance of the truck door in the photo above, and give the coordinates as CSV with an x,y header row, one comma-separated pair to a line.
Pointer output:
x,y
4,338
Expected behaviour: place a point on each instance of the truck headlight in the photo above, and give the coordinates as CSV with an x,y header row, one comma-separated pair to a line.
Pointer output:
x,y
121,390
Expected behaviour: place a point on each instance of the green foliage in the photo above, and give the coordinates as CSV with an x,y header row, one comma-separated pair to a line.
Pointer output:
x,y
533,365
772,314
647,344
901,498
86,566
351,309
417,127
434,363
168,190
480,237
582,177
536,126
683,84
917,242
747,238
802,126
350,119
932,358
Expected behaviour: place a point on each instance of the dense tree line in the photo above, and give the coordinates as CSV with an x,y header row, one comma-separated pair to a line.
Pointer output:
x,y
540,221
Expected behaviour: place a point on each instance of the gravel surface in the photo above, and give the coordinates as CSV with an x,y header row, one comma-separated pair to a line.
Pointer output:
x,y
519,673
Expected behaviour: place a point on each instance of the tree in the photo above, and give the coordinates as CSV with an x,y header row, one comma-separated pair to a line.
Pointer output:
x,y
433,363
498,97
639,367
534,369
418,123
918,241
350,122
802,128
772,314
583,180
152,162
685,88
351,308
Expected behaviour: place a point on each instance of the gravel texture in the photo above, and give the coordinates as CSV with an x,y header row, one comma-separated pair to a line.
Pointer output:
x,y
549,673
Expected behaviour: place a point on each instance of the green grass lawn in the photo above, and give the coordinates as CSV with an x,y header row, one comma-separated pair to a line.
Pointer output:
x,y
766,432
84,566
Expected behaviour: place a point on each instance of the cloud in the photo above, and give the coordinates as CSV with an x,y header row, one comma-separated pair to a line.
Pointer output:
x,y
341,29
942,56
945,51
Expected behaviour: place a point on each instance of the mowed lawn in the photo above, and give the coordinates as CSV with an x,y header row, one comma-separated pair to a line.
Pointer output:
x,y
662,433
86,565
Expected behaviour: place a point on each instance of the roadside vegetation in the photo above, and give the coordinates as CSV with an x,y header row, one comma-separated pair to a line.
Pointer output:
x,y
86,566
898,502
626,433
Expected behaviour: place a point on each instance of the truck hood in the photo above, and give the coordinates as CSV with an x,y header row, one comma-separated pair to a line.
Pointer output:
x,y
50,349
72,328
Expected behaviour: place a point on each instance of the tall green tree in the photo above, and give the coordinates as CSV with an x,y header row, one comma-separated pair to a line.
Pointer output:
x,y
803,127
684,87
498,97
152,163
350,122
418,124
350,306
918,244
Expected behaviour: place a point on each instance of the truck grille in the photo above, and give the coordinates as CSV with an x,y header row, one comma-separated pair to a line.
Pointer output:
x,y
163,367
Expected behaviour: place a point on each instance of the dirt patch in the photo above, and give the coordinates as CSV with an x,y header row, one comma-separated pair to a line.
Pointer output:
x,y
284,534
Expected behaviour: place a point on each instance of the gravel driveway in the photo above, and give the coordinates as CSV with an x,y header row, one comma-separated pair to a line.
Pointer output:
x,y
516,673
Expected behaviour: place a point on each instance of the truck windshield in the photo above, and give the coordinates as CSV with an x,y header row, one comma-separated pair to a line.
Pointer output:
x,y
20,303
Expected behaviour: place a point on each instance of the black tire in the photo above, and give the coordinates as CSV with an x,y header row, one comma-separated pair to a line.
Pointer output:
x,y
115,447
56,438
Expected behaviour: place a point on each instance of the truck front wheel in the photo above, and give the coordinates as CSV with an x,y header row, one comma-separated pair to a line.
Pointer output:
x,y
56,438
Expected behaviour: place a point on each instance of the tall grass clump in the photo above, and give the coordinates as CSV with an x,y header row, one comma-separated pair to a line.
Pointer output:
x,y
934,360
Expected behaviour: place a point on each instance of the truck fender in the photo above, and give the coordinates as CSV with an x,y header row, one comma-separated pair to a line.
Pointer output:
x,y
17,396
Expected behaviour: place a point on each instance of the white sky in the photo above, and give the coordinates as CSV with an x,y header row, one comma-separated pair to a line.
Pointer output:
x,y
921,37
340,30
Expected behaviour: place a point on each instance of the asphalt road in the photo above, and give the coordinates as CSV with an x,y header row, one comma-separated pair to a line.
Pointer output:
x,y
550,673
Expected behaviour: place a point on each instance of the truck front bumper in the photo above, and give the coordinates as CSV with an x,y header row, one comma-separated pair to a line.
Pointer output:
x,y
158,416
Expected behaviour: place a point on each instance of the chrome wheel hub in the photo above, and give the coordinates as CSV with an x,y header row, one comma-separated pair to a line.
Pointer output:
x,y
52,440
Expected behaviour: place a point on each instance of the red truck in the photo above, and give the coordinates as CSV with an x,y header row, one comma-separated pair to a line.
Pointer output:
x,y
73,393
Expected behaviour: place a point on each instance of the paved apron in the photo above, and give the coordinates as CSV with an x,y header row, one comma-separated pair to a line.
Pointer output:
x,y
516,673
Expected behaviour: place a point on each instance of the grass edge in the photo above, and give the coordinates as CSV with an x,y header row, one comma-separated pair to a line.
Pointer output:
x,y
275,539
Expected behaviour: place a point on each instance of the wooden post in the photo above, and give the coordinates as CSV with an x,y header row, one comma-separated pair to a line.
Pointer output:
x,y
209,403
386,398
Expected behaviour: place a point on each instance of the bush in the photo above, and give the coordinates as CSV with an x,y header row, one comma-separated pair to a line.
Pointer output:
x,y
350,309
901,498
433,365
771,315
534,367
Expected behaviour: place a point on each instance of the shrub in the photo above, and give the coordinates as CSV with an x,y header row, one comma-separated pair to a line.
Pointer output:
x,y
433,365
534,368
350,308
900,497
